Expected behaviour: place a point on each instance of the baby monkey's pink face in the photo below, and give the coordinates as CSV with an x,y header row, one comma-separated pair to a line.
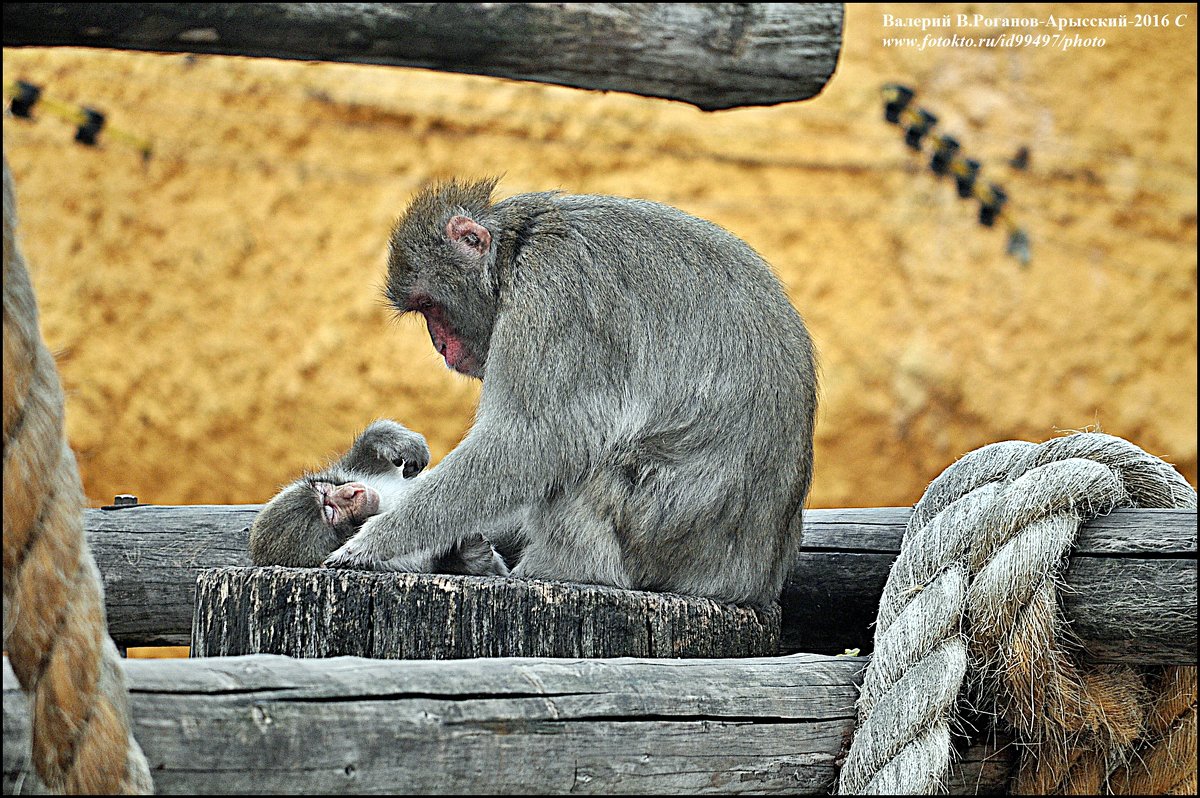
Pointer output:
x,y
352,501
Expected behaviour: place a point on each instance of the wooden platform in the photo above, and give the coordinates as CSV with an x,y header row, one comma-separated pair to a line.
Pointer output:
x,y
265,724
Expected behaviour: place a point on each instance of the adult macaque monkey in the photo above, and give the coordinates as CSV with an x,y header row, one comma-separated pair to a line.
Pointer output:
x,y
648,393
314,515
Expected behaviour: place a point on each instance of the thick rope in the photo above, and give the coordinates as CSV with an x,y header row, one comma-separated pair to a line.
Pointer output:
x,y
54,623
974,591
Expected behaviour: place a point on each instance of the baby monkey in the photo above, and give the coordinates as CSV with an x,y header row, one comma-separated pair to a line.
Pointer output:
x,y
319,512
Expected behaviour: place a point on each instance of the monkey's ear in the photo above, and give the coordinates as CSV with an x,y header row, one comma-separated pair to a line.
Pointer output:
x,y
468,235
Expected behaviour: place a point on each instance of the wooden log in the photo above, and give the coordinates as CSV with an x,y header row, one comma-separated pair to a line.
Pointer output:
x,y
267,724
150,557
1131,580
318,612
713,55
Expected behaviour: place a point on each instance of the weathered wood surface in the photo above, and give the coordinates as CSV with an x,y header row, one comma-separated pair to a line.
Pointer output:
x,y
266,724
149,558
1132,576
1131,594
713,55
319,612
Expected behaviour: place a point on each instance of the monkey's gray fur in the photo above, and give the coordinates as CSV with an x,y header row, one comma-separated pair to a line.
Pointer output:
x,y
298,527
648,393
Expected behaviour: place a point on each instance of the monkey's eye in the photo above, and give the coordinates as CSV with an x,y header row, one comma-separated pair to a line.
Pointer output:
x,y
420,302
398,463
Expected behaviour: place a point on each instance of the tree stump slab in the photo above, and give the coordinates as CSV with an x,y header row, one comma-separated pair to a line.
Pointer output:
x,y
320,612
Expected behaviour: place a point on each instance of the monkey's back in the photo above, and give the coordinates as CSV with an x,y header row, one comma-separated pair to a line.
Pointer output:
x,y
695,393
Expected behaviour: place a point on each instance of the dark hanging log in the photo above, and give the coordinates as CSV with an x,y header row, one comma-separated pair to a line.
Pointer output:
x,y
713,55
1131,580
264,724
319,612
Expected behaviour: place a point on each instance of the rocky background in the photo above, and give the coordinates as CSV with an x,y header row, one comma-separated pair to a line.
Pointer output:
x,y
219,326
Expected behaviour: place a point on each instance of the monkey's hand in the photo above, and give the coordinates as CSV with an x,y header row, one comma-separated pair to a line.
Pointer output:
x,y
418,562
396,444
368,551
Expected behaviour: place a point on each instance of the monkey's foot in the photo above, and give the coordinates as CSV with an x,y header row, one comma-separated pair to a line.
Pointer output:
x,y
395,443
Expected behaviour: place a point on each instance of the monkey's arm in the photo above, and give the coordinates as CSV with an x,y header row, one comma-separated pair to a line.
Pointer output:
x,y
510,457
477,484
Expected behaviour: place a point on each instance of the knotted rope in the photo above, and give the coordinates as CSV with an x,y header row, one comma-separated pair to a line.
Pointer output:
x,y
54,624
974,590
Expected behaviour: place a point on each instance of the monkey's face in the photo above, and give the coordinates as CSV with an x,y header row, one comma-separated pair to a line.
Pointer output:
x,y
345,506
309,519
441,264
459,348
446,286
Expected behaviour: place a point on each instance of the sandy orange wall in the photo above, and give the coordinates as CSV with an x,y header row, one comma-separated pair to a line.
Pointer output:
x,y
219,327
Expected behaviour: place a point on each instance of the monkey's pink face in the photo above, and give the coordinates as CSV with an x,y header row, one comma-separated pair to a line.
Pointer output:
x,y
446,340
352,501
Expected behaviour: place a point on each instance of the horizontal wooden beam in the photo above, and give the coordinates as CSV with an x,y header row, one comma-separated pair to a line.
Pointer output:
x,y
713,55
269,724
1131,597
1132,576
